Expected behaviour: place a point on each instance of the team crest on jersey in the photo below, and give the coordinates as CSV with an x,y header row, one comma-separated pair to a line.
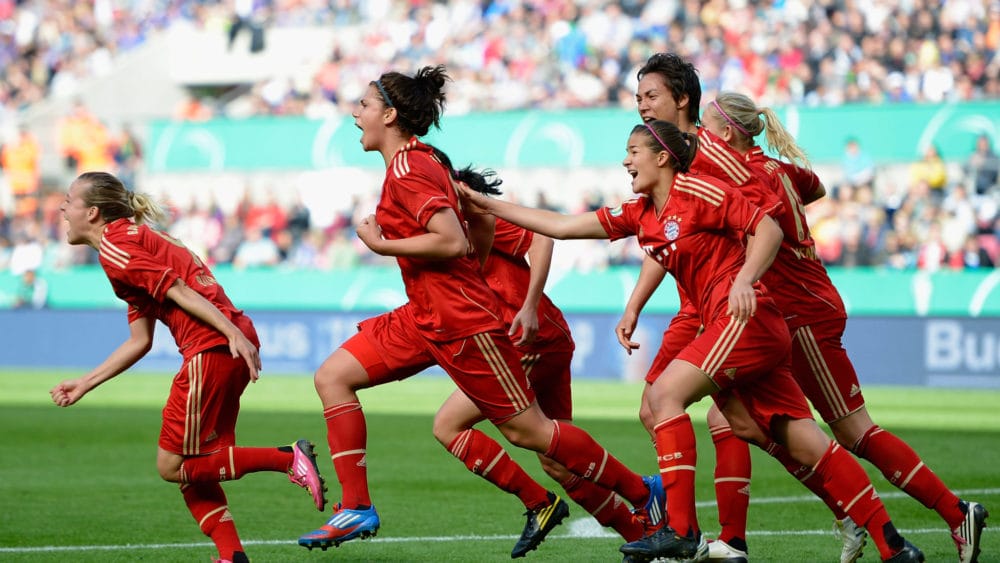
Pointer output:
x,y
615,212
672,227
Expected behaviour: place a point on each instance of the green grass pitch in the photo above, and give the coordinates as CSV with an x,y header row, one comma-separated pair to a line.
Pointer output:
x,y
80,483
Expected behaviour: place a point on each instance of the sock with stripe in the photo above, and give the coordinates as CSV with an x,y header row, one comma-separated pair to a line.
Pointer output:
x,y
483,456
347,436
732,485
805,475
234,462
676,454
207,503
605,506
903,468
583,456
846,481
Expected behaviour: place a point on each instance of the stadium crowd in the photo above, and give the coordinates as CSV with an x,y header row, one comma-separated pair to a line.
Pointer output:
x,y
553,54
508,54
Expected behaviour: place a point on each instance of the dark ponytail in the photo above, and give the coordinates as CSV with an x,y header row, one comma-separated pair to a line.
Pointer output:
x,y
484,181
418,100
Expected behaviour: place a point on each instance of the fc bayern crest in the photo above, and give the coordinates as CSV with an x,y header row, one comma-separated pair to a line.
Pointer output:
x,y
672,230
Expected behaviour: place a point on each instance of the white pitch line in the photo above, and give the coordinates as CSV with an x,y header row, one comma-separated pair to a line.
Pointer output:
x,y
580,528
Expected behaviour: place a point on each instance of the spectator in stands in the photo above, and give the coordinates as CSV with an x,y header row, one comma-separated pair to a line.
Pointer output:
x,y
972,256
19,160
84,141
983,166
858,166
256,250
33,292
931,170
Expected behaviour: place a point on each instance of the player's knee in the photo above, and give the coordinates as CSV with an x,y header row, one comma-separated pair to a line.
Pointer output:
x,y
444,431
646,417
169,469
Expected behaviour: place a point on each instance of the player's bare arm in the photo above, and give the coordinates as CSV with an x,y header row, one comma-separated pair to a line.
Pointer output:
x,y
128,353
651,274
197,306
760,255
444,239
539,261
548,223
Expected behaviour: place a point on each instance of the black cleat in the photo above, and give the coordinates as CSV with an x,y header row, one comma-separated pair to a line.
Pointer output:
x,y
909,554
540,522
666,543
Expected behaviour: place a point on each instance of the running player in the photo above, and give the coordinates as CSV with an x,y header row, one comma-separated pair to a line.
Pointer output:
x,y
692,226
451,319
816,318
162,280
542,337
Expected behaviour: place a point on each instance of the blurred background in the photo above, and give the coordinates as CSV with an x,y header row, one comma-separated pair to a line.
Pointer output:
x,y
236,115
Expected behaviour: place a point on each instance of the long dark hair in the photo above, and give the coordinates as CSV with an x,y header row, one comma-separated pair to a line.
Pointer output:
x,y
484,181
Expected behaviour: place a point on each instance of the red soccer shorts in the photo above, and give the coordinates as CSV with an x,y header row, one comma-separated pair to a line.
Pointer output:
x,y
485,366
200,414
754,359
823,370
549,374
681,331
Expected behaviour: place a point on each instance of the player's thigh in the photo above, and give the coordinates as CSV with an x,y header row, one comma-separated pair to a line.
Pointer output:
x,y
551,380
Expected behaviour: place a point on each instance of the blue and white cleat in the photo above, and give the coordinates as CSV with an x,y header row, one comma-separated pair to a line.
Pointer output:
x,y
345,524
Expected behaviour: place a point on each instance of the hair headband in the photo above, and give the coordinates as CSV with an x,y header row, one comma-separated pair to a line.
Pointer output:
x,y
731,121
385,95
664,145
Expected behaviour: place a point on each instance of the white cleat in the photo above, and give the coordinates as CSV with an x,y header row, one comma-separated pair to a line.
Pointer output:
x,y
721,552
853,537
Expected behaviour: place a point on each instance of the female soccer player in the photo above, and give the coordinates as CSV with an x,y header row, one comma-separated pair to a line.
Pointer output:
x,y
451,319
542,337
691,225
162,280
816,318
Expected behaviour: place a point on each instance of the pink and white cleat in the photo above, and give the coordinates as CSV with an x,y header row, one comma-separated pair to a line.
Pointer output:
x,y
304,472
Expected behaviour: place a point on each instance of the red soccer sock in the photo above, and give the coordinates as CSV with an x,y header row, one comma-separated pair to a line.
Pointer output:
x,y
677,455
347,436
732,483
207,503
807,476
583,456
607,507
483,456
232,463
846,481
903,468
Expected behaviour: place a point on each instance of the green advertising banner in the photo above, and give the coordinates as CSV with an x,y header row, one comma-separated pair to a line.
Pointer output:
x,y
584,137
866,292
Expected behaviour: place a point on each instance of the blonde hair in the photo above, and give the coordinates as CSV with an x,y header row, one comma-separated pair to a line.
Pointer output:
x,y
741,112
108,194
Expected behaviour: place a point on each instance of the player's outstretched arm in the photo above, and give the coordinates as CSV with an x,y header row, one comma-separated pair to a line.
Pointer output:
x,y
128,353
204,310
548,223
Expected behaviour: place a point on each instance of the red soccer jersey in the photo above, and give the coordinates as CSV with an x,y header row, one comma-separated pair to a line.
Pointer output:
x,y
714,158
508,274
450,297
143,263
797,279
694,237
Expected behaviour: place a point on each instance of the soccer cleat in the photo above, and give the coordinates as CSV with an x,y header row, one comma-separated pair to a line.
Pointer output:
x,y
664,542
657,500
721,552
968,533
238,557
854,538
909,554
345,524
304,472
540,522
